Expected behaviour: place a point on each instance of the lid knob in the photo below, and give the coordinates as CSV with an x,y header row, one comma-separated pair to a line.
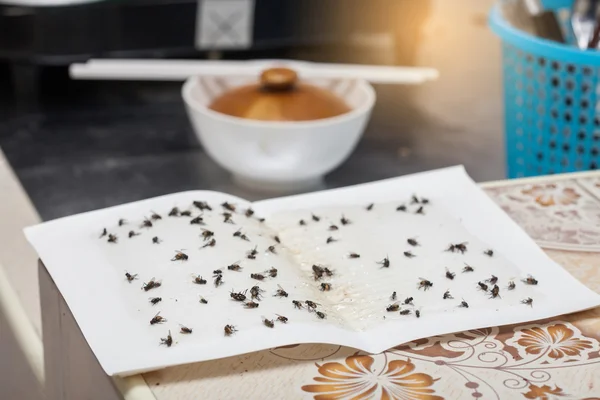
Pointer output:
x,y
278,79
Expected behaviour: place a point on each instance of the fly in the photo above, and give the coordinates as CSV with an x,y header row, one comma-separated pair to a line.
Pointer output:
x,y
152,284
317,272
252,253
251,304
174,212
146,224
258,277
311,304
239,296
464,304
256,292
409,254
302,222
104,233
211,243
180,256
234,267
333,227
459,247
298,304
272,272
271,249
530,280
228,206
133,233
370,207
325,287
385,263
185,330
282,319
315,218
249,212
408,300
202,205
401,208
528,301
280,292
467,268
393,307
229,330
168,341
199,280
241,235
155,216
345,221
424,284
412,241
155,300
122,222
420,210
203,300
450,275
394,296
353,255
489,252
405,312
186,213
130,278
276,238
197,221
112,238
206,234
218,280
321,315
495,292
227,218
269,323
482,286
330,239
217,272
492,280
418,313
511,285
447,295
156,240
157,319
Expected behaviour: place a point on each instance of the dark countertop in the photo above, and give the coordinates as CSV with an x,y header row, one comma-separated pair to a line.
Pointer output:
x,y
96,144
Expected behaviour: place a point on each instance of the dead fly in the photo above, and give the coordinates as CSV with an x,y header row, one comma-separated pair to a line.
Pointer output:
x,y
495,292
272,272
450,275
271,249
152,284
282,319
212,243
229,330
409,254
241,235
185,330
218,280
186,213
156,240
155,216
353,255
227,218
122,222
202,205
157,319
325,287
529,281
414,199
217,272
393,307
315,218
252,254
298,304
328,272
130,277
424,284
412,242
239,296
155,300
280,292
179,256
276,238
418,313
401,208
405,312
206,234
482,286
464,304
459,247
492,280
269,323
385,263
370,207
301,222
258,277
249,212
345,221
333,227
146,224
199,280
489,252
251,304
197,221
467,268
228,206
311,304
330,239
318,272
528,301
234,267
420,211
408,300
203,300
133,233
394,296
112,238
104,233
256,292
447,295
168,341
174,212
321,315
511,285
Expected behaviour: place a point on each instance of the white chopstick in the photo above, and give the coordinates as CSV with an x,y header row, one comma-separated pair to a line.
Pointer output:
x,y
179,70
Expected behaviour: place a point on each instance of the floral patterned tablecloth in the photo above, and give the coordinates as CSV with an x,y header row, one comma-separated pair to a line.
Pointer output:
x,y
558,358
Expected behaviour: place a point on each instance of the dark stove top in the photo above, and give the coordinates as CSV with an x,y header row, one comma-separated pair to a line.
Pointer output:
x,y
97,144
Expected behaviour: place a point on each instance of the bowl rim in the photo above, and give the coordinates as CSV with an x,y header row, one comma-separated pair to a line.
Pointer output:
x,y
191,82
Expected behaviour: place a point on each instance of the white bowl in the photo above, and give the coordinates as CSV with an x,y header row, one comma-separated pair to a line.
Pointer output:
x,y
283,156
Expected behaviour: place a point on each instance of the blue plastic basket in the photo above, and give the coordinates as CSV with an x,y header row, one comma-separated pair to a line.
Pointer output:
x,y
552,117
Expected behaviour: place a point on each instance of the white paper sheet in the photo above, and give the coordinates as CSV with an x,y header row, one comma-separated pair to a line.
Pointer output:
x,y
114,314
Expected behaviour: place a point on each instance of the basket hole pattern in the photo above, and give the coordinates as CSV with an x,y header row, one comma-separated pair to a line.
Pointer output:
x,y
552,114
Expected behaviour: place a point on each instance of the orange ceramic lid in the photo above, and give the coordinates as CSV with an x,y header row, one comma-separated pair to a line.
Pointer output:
x,y
280,97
